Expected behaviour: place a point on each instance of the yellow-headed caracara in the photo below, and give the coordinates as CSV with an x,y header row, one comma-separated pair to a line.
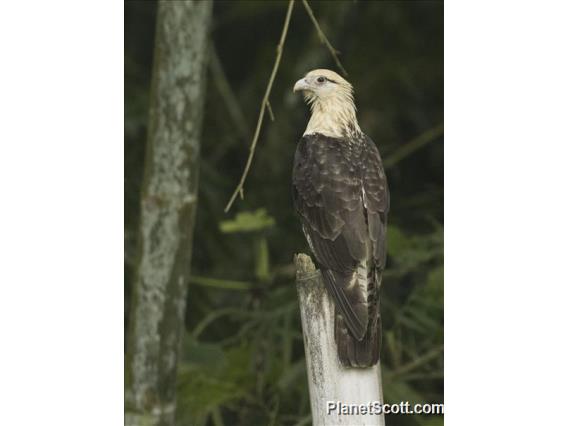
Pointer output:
x,y
341,195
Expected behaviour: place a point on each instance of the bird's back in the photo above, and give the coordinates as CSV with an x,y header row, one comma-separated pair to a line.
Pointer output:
x,y
337,193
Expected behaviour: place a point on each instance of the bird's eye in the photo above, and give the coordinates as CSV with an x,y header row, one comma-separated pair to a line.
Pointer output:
x,y
321,79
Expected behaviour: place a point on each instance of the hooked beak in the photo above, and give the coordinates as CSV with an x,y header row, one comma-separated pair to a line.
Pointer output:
x,y
300,85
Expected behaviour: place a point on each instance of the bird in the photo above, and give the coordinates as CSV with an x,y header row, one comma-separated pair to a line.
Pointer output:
x,y
340,193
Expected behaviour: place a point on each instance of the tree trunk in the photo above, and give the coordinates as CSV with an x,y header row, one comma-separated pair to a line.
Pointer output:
x,y
331,384
169,197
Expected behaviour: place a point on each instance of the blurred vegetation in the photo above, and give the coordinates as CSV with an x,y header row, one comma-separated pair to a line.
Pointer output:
x,y
243,360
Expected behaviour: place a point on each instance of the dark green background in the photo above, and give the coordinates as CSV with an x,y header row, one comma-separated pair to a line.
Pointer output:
x,y
247,366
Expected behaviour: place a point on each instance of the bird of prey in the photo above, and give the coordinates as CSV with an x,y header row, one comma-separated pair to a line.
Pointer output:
x,y
340,193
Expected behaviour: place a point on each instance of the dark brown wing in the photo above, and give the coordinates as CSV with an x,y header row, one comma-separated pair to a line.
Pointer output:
x,y
366,352
327,196
376,199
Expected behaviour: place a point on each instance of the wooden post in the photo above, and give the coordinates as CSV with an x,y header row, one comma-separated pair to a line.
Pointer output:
x,y
329,382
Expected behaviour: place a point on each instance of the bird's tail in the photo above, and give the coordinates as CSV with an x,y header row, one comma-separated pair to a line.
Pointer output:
x,y
365,352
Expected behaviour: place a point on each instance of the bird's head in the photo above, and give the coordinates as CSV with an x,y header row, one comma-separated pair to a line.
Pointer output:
x,y
324,86
330,97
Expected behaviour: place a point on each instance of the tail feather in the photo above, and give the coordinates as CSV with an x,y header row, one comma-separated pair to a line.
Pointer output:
x,y
355,353
349,300
365,352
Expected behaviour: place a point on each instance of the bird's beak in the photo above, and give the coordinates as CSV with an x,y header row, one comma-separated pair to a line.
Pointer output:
x,y
300,85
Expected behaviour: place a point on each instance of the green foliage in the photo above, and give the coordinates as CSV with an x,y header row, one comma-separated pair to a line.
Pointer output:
x,y
248,222
211,377
243,357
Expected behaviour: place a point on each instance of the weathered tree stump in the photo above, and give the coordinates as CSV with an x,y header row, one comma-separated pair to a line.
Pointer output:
x,y
329,382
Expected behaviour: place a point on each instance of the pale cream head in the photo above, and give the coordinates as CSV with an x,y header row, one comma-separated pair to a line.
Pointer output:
x,y
330,97
324,84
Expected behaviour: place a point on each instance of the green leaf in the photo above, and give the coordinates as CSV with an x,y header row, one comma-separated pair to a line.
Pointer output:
x,y
248,222
397,241
435,281
203,354
262,260
204,385
219,283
